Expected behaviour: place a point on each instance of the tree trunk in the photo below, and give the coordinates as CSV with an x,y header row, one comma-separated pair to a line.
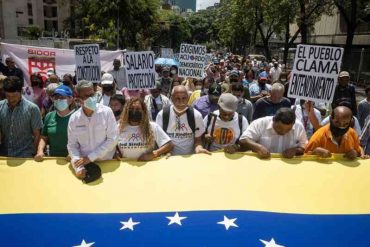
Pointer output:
x,y
286,43
348,47
303,24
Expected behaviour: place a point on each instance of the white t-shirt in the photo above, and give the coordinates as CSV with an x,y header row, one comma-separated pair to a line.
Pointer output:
x,y
132,145
302,116
180,132
225,133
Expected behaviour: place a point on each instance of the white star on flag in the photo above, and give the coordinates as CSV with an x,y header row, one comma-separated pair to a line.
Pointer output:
x,y
271,243
175,219
84,244
228,222
128,224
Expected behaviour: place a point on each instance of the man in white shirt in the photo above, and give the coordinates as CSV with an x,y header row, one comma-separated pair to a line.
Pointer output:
x,y
119,74
225,126
275,72
92,131
109,86
278,134
183,124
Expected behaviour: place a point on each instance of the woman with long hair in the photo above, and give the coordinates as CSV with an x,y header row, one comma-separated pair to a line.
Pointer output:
x,y
139,138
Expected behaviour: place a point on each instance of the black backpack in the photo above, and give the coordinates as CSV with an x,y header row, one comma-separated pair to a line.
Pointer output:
x,y
189,114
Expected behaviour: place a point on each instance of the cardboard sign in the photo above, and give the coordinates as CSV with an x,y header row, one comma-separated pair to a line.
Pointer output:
x,y
87,62
140,70
166,53
315,73
192,59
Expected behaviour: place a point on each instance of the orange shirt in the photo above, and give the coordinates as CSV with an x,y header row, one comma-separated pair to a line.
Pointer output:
x,y
323,138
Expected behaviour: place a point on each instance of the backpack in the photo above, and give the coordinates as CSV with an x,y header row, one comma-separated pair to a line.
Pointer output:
x,y
189,114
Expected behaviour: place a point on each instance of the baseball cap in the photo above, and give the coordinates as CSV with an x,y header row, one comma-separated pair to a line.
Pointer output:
x,y
107,79
93,172
63,91
263,75
228,102
344,74
215,89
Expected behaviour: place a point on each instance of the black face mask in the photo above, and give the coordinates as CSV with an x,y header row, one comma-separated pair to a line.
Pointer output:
x,y
135,116
66,83
117,113
336,131
108,89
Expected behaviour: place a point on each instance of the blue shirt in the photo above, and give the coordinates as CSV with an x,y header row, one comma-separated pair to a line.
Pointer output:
x,y
17,126
204,105
255,88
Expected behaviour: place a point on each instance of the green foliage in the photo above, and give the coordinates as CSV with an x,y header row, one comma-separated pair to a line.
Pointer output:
x,y
134,20
33,32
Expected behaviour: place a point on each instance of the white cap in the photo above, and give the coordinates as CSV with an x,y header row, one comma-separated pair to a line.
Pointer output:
x,y
107,79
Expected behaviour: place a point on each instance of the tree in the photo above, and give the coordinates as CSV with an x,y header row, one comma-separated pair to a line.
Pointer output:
x,y
354,13
130,22
171,30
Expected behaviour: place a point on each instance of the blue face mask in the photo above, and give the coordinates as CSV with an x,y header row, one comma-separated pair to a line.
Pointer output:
x,y
90,103
61,104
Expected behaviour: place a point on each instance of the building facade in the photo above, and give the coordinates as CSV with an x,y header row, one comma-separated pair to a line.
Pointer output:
x,y
17,16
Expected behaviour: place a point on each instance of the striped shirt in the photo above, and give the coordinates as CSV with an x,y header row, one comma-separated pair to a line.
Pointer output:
x,y
17,128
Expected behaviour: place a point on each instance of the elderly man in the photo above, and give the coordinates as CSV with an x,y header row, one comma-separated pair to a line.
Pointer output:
x,y
10,69
92,131
278,134
225,126
183,124
269,105
336,137
119,74
345,90
20,122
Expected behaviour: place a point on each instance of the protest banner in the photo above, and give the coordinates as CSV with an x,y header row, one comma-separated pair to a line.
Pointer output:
x,y
192,59
87,62
166,53
315,73
140,68
32,59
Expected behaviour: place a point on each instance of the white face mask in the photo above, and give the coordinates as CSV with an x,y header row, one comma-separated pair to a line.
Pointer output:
x,y
180,111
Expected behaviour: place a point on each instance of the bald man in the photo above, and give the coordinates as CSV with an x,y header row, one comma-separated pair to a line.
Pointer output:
x,y
336,137
183,124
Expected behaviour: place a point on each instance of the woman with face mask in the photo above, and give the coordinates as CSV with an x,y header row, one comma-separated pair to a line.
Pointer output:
x,y
36,92
138,136
116,103
54,132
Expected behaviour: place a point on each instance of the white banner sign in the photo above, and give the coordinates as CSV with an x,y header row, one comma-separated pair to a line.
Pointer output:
x,y
192,59
315,73
140,70
166,53
87,62
31,59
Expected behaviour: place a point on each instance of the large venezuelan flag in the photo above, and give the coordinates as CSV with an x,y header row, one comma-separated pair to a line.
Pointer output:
x,y
199,200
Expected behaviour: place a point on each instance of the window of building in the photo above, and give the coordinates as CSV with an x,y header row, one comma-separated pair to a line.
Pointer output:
x,y
54,12
29,8
30,21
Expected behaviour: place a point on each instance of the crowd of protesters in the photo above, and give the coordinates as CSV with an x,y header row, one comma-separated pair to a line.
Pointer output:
x,y
239,105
